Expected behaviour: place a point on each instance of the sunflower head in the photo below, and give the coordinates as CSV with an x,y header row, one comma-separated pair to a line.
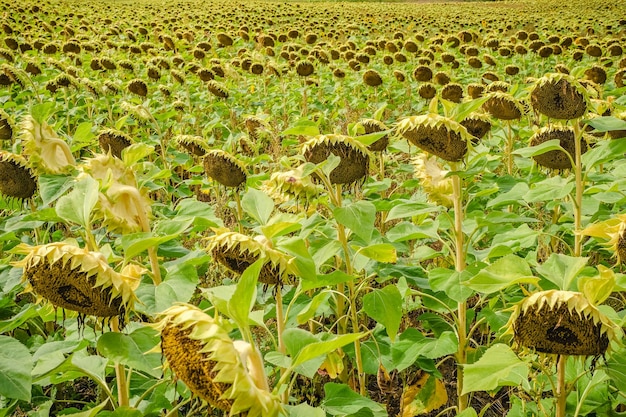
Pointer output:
x,y
477,125
46,152
559,96
237,252
375,126
433,179
503,106
217,89
224,168
76,279
372,78
113,141
121,204
557,159
6,126
138,86
438,135
614,231
290,185
561,323
194,145
16,179
354,157
226,373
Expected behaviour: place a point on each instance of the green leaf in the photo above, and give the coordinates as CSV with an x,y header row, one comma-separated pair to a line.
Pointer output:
x,y
330,280
280,229
90,412
599,288
604,152
562,270
52,187
410,209
498,367
513,196
606,123
547,146
501,274
303,127
468,412
433,348
296,339
341,400
371,137
41,112
313,350
462,110
16,364
385,306
136,243
131,350
380,252
76,206
358,217
82,136
553,188
240,305
258,205
308,312
616,368
404,231
303,262
135,153
451,282
305,410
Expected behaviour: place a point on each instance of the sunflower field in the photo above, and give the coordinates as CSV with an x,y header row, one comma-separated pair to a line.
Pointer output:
x,y
311,209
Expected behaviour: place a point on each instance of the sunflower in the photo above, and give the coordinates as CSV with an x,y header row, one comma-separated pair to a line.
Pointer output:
x,y
562,323
289,185
237,252
436,134
113,141
224,168
559,96
121,204
557,159
226,373
46,152
77,279
433,179
6,126
614,231
16,179
354,163
194,145
375,126
503,106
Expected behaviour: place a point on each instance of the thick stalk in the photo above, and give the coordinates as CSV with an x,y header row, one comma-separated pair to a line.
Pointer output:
x,y
578,199
145,227
509,148
120,373
561,391
461,355
280,328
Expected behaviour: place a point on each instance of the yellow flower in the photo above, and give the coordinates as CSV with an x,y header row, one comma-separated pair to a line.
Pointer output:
x,y
76,279
433,179
46,152
226,373
122,205
613,230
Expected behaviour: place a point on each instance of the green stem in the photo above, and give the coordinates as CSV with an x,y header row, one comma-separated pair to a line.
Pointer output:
x,y
509,148
280,328
120,374
461,355
561,390
578,203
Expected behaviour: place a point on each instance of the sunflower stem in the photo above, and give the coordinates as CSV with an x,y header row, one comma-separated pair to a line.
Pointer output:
x,y
561,391
459,264
578,203
120,374
509,148
280,328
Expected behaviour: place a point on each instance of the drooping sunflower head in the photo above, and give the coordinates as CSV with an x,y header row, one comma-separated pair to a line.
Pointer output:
x,y
503,106
477,125
433,179
561,323
228,374
121,204
217,89
435,134
291,185
559,96
114,141
6,126
557,159
224,168
354,163
375,126
194,145
237,252
614,232
46,152
255,127
138,86
16,179
77,279
372,78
